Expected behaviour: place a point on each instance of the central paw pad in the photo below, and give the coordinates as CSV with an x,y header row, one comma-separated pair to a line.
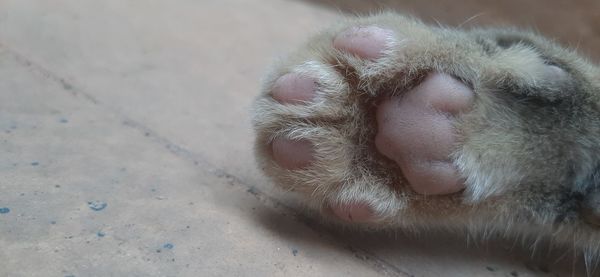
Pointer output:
x,y
416,130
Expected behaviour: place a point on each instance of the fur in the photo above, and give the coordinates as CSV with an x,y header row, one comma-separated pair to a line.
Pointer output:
x,y
529,149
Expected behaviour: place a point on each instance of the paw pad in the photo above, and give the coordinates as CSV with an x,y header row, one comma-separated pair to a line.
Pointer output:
x,y
365,42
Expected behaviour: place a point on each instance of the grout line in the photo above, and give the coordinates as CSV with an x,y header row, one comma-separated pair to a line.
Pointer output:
x,y
380,265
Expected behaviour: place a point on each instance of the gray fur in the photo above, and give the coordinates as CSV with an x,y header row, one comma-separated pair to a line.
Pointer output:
x,y
529,149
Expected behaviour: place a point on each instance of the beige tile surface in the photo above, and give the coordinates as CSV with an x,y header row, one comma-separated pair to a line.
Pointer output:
x,y
144,105
91,194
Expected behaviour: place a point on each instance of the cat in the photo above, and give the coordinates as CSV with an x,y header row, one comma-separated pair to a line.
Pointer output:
x,y
525,144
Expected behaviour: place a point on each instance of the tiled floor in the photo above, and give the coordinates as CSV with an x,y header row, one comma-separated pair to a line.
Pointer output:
x,y
127,147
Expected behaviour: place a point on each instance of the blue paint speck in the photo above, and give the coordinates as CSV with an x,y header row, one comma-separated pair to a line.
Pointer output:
x,y
100,234
35,163
97,205
294,252
4,210
168,246
52,222
64,120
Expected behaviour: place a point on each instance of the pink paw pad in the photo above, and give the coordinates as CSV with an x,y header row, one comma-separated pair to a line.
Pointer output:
x,y
356,212
416,130
366,42
293,88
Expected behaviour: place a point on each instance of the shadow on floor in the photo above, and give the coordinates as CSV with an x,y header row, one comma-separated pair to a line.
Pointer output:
x,y
432,252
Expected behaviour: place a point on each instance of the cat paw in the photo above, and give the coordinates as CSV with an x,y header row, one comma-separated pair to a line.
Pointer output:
x,y
384,121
